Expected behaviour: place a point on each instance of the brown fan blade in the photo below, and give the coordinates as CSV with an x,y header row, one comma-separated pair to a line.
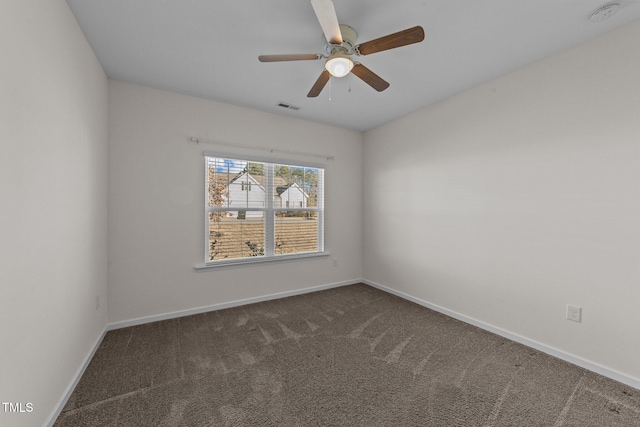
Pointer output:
x,y
399,39
292,57
326,14
369,77
319,84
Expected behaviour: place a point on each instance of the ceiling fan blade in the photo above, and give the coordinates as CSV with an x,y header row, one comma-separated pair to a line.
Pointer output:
x,y
291,57
369,77
401,38
326,14
319,84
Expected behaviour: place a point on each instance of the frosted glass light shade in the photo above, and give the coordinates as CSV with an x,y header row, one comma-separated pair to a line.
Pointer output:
x,y
339,66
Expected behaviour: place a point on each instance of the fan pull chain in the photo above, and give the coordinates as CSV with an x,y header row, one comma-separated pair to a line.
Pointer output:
x,y
330,88
349,83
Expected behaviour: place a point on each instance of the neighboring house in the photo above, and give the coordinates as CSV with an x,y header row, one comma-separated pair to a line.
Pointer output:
x,y
290,196
248,191
245,191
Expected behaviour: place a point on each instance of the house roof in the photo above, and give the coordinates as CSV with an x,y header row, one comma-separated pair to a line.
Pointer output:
x,y
277,180
281,189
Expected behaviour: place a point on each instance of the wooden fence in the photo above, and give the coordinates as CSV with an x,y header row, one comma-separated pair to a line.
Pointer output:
x,y
238,238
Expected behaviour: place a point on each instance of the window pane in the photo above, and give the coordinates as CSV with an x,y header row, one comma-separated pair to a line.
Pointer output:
x,y
296,231
295,187
236,234
235,183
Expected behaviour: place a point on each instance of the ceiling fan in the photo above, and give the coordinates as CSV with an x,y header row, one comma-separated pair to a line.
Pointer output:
x,y
341,46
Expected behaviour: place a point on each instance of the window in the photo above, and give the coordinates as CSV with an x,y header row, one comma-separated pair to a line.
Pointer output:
x,y
259,211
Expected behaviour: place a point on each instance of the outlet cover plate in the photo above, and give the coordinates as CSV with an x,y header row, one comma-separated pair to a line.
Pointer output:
x,y
574,313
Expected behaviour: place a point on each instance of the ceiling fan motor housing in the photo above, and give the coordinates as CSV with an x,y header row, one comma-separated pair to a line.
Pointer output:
x,y
349,36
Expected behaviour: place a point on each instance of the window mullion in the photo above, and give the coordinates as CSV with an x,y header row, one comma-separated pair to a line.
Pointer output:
x,y
269,226
320,210
206,210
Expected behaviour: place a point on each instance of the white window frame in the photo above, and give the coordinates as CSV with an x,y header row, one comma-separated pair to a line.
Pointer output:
x,y
269,214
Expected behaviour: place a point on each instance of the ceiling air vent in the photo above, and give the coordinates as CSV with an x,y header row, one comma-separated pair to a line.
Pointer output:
x,y
287,105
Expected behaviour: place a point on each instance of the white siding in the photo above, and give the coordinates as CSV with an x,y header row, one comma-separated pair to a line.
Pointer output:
x,y
246,192
293,197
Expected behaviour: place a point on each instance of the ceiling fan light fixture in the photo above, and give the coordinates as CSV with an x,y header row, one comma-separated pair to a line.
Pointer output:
x,y
339,65
341,45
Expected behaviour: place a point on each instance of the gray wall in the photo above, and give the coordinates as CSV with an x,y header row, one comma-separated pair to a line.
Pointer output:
x,y
53,182
500,205
506,202
156,201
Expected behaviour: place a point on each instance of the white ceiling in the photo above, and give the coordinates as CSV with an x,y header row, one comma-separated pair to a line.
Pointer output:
x,y
210,48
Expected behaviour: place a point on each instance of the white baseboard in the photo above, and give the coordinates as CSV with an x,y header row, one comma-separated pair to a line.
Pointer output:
x,y
142,320
594,367
571,358
221,306
57,410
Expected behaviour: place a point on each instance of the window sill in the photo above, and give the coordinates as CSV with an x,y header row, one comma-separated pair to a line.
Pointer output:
x,y
244,262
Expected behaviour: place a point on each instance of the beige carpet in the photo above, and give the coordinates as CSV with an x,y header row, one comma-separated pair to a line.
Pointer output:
x,y
351,356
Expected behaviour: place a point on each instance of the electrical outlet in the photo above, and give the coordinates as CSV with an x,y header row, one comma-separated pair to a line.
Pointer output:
x,y
574,313
97,302
335,262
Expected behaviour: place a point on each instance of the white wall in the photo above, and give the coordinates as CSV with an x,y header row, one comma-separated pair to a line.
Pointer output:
x,y
53,182
156,201
524,196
